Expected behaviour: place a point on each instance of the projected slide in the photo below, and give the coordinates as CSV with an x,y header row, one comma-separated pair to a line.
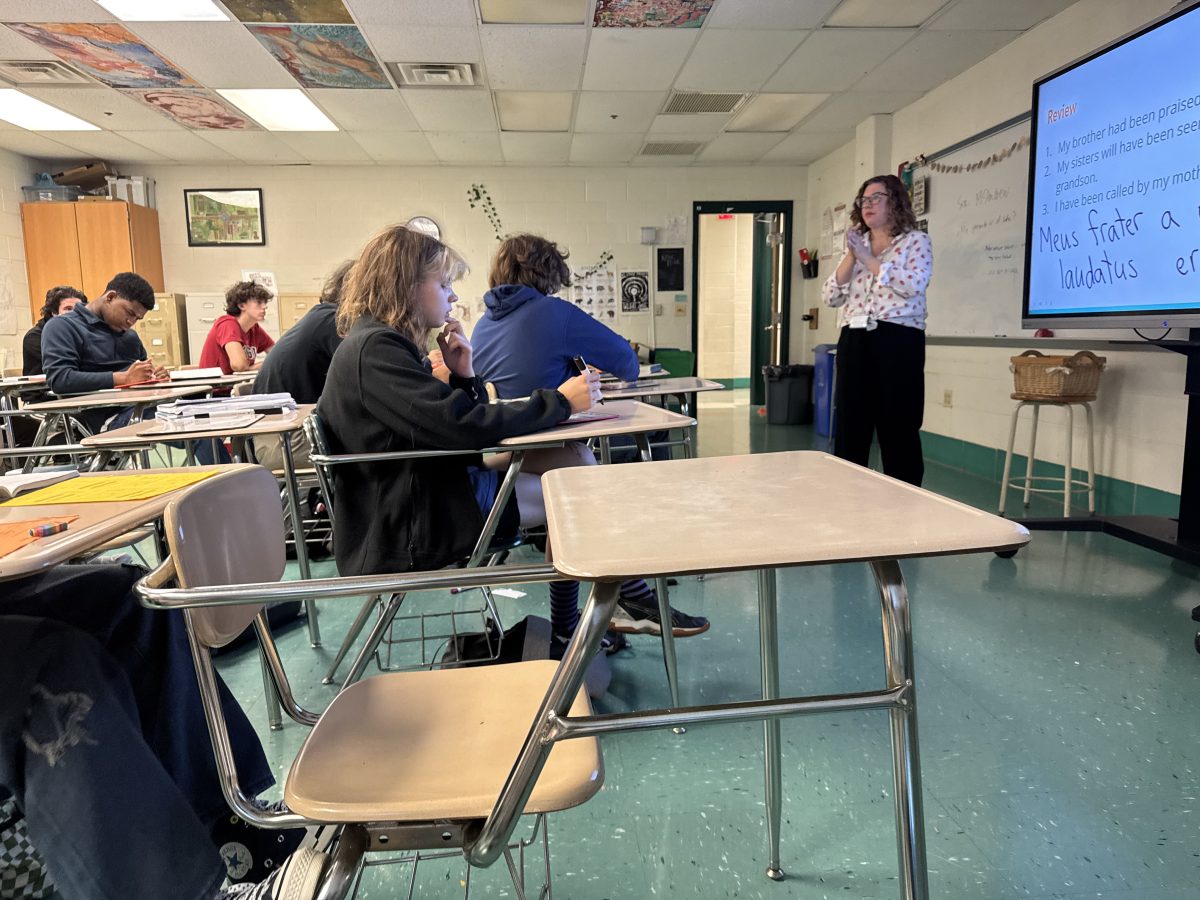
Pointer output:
x,y
1115,189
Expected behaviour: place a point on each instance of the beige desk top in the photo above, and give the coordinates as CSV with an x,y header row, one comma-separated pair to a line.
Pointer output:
x,y
208,380
117,398
749,512
97,523
659,387
135,435
632,418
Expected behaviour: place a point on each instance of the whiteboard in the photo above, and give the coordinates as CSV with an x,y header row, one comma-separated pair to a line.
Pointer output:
x,y
976,222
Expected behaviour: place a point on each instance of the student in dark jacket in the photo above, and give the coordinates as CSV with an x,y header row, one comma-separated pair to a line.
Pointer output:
x,y
59,301
381,395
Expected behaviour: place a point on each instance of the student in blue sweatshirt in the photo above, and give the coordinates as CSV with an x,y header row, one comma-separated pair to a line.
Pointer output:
x,y
527,340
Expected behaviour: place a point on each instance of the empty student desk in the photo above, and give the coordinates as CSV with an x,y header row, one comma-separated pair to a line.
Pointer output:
x,y
682,389
139,399
738,513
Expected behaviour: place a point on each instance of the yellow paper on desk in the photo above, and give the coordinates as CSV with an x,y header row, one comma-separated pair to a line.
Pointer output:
x,y
108,488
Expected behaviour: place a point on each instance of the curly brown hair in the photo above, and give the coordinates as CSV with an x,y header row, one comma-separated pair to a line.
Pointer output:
x,y
241,293
532,261
902,217
383,281
54,298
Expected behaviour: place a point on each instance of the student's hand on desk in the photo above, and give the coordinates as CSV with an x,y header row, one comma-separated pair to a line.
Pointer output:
x,y
581,391
142,370
456,349
440,372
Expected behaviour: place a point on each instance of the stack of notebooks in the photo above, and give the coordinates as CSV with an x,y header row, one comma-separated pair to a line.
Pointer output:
x,y
221,413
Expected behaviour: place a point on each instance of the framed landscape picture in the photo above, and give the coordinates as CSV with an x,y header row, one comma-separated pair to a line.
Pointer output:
x,y
220,217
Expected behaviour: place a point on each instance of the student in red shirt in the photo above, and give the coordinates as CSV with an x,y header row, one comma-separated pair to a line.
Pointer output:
x,y
237,342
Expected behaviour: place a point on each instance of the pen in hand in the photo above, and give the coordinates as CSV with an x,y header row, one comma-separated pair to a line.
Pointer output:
x,y
582,367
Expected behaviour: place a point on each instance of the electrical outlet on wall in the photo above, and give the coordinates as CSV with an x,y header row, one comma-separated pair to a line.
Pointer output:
x,y
947,398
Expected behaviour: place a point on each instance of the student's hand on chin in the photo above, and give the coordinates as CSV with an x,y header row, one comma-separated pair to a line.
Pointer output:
x,y
456,350
581,391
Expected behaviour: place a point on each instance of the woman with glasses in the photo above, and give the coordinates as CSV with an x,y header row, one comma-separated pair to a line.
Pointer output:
x,y
879,289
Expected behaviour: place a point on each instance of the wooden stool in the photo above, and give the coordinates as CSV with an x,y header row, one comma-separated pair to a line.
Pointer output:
x,y
1070,484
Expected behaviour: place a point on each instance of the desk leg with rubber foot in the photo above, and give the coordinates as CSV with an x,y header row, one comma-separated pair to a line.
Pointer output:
x,y
768,641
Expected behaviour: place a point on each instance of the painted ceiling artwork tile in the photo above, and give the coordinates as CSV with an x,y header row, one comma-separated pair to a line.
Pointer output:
x,y
195,109
323,56
651,13
331,12
108,52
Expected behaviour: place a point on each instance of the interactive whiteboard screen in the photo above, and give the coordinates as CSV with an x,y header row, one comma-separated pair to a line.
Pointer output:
x,y
1113,234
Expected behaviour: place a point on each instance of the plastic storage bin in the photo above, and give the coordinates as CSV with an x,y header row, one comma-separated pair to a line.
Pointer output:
x,y
824,358
789,394
39,192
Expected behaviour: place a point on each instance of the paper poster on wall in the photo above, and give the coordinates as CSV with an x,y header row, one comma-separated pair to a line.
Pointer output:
x,y
596,294
635,292
8,302
265,279
670,268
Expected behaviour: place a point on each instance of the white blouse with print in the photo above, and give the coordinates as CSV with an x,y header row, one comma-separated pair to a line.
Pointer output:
x,y
896,295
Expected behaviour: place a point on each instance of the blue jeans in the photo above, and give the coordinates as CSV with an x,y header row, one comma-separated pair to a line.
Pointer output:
x,y
102,810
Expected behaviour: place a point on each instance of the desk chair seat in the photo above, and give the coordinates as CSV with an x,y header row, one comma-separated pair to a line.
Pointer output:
x,y
411,760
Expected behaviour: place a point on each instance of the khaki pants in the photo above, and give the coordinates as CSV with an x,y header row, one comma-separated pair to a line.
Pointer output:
x,y
269,450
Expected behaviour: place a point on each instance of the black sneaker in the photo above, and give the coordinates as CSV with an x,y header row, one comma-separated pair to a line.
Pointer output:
x,y
632,617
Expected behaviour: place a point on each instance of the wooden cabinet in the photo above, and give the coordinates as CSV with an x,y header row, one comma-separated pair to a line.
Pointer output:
x,y
292,308
86,243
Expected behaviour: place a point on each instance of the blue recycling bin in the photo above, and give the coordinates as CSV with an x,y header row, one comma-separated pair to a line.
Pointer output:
x,y
825,355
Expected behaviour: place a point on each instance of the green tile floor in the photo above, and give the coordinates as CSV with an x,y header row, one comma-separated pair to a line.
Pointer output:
x,y
1057,694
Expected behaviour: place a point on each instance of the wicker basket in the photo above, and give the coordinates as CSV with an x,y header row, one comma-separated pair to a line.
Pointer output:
x,y
1040,377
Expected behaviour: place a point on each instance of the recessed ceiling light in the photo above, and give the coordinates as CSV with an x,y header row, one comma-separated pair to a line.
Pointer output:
x,y
286,109
34,115
165,10
533,12
534,110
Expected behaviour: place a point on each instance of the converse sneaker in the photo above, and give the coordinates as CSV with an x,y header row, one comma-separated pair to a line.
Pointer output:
x,y
296,879
634,617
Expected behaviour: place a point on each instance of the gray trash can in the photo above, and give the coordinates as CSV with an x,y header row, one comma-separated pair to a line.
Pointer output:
x,y
789,394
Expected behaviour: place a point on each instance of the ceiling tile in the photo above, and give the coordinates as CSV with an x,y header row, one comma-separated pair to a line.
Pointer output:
x,y
54,11
738,147
873,14
934,57
698,124
396,146
330,11
365,110
617,111
180,145
38,146
534,58
194,109
108,52
105,145
451,109
806,147
632,59
845,111
424,43
325,147
528,12
474,148
14,45
454,13
533,147
736,60
101,106
204,51
605,148
834,59
330,56
641,14
775,112
544,111
970,15
253,147
772,14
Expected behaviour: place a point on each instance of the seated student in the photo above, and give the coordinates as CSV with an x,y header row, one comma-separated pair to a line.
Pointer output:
x,y
101,810
528,339
59,301
236,342
94,346
298,365
381,395
104,743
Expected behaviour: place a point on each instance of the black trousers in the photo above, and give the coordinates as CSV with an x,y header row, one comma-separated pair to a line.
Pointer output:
x,y
881,391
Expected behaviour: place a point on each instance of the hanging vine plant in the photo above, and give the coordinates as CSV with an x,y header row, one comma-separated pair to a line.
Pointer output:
x,y
478,197
580,277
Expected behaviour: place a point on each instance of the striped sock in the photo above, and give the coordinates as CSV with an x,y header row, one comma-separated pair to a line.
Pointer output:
x,y
564,607
640,593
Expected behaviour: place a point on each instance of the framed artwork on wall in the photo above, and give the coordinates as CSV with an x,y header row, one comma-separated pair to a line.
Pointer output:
x,y
221,217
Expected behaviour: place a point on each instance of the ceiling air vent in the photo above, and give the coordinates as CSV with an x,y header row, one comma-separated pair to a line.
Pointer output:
x,y
435,74
687,104
671,148
43,72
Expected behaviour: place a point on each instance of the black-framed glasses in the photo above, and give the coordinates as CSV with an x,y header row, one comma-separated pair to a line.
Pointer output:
x,y
870,199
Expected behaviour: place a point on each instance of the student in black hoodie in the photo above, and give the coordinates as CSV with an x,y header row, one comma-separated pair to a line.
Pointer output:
x,y
380,395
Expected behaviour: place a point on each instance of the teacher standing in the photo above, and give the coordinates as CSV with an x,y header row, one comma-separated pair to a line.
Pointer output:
x,y
879,287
